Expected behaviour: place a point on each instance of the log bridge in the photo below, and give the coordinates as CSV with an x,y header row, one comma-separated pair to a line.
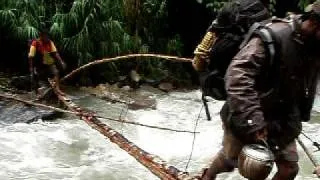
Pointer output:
x,y
153,163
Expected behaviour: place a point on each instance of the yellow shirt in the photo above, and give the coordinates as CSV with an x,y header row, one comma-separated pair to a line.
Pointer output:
x,y
44,49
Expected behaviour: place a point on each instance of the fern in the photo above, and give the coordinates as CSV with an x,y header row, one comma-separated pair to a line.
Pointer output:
x,y
85,30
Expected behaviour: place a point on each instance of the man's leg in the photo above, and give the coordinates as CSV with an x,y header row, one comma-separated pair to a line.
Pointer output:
x,y
54,71
38,73
35,81
287,163
226,159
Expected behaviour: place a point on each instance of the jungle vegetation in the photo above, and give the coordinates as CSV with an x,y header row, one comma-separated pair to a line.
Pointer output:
x,y
86,30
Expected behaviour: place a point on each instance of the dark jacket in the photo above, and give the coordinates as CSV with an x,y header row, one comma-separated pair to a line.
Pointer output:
x,y
278,95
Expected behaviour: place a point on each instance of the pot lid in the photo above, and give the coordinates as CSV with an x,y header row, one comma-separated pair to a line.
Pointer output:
x,y
258,152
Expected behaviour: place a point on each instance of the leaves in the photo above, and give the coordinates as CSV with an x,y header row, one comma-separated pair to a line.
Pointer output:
x,y
304,3
86,30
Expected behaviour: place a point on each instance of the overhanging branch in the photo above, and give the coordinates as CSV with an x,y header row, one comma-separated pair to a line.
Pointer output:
x,y
130,56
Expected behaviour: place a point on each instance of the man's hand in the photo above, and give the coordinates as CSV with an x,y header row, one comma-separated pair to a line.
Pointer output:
x,y
317,171
57,56
199,62
261,134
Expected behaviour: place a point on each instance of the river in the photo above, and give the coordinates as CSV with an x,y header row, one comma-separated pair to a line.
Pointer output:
x,y
67,148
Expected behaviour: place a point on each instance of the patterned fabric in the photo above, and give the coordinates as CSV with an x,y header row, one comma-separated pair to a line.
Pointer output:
x,y
44,49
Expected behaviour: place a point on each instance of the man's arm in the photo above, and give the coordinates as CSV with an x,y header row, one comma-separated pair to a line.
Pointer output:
x,y
241,84
32,53
54,53
58,58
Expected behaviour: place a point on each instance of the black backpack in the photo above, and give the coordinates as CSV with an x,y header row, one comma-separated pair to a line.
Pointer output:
x,y
235,24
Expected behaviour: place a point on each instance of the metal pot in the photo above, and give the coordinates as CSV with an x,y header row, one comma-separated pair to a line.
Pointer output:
x,y
255,162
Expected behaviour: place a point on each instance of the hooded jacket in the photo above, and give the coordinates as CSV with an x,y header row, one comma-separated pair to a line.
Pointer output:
x,y
278,95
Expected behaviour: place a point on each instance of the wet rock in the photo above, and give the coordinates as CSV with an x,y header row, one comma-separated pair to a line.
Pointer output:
x,y
134,76
124,95
152,82
126,88
21,82
13,112
166,87
101,87
142,104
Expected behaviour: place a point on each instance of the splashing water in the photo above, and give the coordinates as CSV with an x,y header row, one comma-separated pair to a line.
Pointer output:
x,y
69,149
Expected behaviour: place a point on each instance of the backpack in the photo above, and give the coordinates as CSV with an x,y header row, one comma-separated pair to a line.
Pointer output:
x,y
234,26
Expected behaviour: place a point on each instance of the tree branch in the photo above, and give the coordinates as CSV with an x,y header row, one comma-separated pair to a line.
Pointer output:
x,y
130,56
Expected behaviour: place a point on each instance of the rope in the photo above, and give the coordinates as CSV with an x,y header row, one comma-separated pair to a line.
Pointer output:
x,y
153,163
124,110
194,139
91,115
316,144
309,154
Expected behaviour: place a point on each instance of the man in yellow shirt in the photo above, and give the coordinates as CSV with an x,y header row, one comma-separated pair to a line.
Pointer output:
x,y
43,56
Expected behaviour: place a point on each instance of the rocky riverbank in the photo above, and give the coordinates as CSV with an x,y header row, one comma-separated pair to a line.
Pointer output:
x,y
131,92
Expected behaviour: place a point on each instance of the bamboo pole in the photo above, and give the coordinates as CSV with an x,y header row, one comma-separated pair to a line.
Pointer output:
x,y
155,164
130,56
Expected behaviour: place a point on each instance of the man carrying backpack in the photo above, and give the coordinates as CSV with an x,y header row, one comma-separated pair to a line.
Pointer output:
x,y
43,56
268,98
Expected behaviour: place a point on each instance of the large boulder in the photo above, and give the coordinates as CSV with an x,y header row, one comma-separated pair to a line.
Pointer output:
x,y
166,87
125,95
14,112
21,82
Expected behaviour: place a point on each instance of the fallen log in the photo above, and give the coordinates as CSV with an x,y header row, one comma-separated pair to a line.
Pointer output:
x,y
153,163
130,56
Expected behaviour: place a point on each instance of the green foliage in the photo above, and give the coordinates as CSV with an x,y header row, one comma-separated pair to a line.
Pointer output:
x,y
272,5
21,18
304,3
86,30
213,5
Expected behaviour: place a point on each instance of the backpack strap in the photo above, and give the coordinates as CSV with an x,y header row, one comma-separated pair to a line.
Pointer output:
x,y
248,36
266,34
268,39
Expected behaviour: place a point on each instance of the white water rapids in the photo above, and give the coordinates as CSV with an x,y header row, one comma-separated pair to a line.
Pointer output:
x,y
69,149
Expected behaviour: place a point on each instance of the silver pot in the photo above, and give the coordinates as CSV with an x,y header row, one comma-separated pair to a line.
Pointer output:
x,y
255,162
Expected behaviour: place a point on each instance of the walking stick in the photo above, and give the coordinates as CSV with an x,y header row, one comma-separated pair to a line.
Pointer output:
x,y
309,154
